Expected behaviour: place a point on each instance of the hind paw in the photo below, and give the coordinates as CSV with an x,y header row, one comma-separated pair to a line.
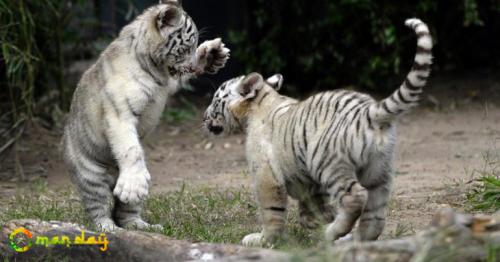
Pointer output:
x,y
139,224
253,240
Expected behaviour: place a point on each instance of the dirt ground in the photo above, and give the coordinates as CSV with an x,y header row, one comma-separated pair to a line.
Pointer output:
x,y
440,147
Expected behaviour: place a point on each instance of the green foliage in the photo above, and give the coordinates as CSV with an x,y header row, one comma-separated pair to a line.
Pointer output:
x,y
485,194
20,56
493,253
471,14
324,44
33,38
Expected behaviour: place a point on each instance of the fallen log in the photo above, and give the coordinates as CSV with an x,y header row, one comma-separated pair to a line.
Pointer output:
x,y
121,245
450,237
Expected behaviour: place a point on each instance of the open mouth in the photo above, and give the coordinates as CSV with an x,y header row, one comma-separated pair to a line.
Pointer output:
x,y
216,130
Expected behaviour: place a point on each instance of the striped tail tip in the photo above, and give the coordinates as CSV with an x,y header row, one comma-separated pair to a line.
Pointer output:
x,y
408,95
412,22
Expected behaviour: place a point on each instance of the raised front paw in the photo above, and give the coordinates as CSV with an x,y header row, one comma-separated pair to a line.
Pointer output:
x,y
253,240
132,187
211,56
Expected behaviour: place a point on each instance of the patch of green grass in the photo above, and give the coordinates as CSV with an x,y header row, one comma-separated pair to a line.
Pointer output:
x,y
36,202
493,253
193,214
203,214
485,194
221,216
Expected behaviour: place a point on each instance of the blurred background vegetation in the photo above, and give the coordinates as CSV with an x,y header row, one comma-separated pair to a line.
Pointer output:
x,y
316,45
323,44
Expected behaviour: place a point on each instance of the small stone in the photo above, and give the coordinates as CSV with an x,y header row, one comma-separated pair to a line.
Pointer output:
x,y
174,132
479,222
209,146
207,257
195,253
444,218
227,146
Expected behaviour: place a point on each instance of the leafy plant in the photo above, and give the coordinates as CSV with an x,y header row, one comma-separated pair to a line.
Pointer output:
x,y
485,194
34,39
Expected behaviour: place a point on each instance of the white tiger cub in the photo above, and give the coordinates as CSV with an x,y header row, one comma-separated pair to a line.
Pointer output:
x,y
120,100
333,148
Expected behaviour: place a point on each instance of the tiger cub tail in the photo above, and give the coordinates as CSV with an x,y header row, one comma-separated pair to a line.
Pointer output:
x,y
408,95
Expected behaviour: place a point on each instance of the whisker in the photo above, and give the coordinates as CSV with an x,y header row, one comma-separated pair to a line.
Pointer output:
x,y
203,32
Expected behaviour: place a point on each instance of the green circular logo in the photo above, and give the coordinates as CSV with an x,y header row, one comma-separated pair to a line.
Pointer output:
x,y
20,239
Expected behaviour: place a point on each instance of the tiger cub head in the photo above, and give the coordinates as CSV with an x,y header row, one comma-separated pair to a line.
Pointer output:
x,y
173,37
232,101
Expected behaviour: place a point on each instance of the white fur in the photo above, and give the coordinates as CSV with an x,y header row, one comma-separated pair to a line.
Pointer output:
x,y
412,76
253,240
423,58
425,42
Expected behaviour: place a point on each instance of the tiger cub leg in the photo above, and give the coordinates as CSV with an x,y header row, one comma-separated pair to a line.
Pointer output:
x,y
272,199
372,220
308,215
94,185
350,198
129,216
315,211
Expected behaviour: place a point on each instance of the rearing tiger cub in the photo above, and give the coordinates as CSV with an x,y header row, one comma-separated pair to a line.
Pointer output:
x,y
120,100
334,148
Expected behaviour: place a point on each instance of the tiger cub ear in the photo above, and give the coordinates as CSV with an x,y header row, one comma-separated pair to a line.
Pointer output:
x,y
250,85
276,81
168,17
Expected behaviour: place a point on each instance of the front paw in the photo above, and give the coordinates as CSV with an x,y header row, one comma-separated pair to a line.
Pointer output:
x,y
211,56
132,188
254,240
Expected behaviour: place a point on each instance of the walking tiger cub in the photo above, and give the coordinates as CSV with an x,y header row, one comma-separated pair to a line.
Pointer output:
x,y
120,100
334,149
